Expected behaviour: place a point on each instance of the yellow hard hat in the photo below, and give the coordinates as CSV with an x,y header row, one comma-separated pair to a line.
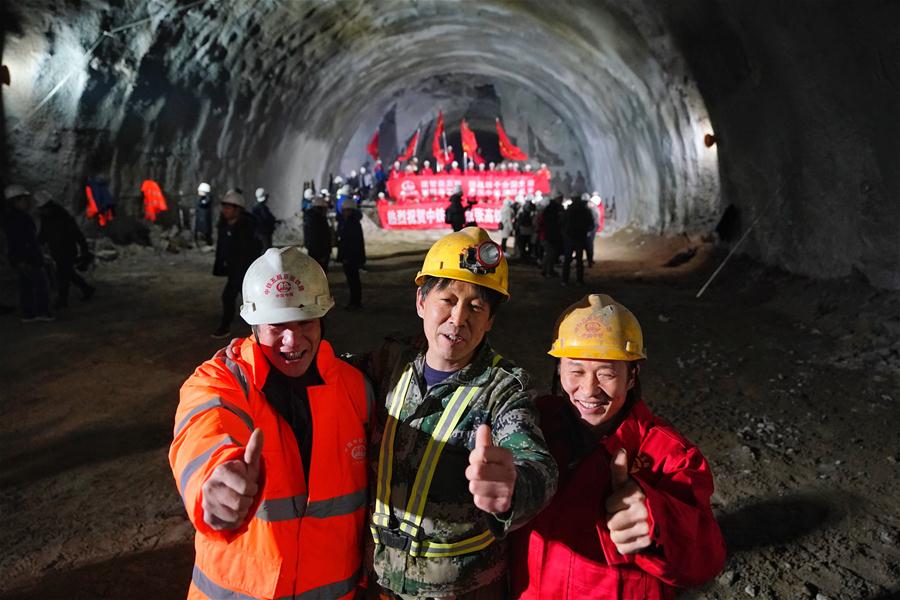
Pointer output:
x,y
598,327
468,255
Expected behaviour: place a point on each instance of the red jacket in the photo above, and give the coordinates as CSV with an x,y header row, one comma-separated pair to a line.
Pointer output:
x,y
566,551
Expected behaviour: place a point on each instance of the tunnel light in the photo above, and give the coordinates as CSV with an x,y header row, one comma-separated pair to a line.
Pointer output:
x,y
709,140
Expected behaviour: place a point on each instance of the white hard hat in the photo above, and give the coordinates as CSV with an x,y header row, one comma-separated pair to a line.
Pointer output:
x,y
234,197
14,191
308,193
203,188
362,169
283,285
353,173
345,190
454,164
426,163
381,194
338,179
261,194
527,166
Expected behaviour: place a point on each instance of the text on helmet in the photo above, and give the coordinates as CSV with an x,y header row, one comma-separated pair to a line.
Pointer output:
x,y
282,285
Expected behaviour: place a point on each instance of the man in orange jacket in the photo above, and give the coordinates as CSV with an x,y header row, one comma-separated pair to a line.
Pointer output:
x,y
269,450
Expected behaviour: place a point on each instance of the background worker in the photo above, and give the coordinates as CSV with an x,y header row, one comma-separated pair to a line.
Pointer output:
x,y
460,458
317,231
236,247
203,215
265,220
25,256
631,518
352,252
68,248
269,450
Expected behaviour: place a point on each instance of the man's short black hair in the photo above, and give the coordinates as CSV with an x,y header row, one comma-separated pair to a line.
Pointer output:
x,y
493,298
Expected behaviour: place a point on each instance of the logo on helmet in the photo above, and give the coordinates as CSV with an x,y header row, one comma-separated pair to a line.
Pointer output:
x,y
282,285
592,328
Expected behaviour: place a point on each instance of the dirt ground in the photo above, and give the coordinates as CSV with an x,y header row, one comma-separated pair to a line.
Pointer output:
x,y
791,388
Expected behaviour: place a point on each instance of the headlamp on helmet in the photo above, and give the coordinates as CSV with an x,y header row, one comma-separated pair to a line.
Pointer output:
x,y
481,259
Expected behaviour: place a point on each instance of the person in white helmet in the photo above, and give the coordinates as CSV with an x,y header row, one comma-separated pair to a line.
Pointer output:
x,y
203,216
269,449
25,256
265,220
236,247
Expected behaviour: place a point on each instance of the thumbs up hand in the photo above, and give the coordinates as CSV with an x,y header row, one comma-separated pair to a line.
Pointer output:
x,y
230,490
627,509
491,474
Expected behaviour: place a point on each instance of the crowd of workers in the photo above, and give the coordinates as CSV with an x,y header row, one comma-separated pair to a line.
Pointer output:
x,y
244,234
426,468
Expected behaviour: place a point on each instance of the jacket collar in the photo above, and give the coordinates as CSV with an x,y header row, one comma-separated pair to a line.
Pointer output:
x,y
252,355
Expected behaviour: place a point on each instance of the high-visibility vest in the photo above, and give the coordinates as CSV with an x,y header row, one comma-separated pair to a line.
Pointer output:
x,y
386,527
300,542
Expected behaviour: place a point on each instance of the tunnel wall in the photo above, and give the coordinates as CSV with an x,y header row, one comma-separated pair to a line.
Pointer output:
x,y
805,101
275,93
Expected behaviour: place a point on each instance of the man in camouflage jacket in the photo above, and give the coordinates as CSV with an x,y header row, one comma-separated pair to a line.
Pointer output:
x,y
458,457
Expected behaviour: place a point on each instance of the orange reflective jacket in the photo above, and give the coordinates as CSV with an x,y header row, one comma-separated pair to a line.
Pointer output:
x,y
154,201
299,542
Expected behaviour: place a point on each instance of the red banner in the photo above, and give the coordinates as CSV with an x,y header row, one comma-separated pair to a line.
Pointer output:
x,y
430,215
481,186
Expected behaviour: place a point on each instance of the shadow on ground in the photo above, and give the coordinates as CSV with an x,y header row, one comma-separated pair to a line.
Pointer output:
x,y
79,448
153,575
778,521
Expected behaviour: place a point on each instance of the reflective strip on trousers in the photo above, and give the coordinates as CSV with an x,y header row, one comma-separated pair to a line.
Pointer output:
x,y
329,591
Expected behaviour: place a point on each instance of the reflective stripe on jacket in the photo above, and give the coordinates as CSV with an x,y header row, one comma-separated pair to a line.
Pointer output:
x,y
567,552
299,543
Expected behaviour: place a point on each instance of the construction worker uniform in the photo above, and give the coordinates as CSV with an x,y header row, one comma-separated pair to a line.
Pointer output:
x,y
303,537
430,538
567,551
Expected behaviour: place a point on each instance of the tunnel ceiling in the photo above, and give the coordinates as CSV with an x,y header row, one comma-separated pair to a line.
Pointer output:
x,y
273,93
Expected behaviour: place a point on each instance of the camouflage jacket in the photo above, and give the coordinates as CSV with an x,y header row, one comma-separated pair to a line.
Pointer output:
x,y
506,403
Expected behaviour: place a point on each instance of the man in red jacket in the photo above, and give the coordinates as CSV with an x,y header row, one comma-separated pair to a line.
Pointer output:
x,y
631,518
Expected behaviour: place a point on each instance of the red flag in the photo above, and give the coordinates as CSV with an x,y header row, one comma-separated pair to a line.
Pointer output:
x,y
508,150
372,148
410,147
469,144
436,142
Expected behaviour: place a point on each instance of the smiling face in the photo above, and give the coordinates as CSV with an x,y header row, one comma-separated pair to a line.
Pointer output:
x,y
597,389
455,318
290,347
